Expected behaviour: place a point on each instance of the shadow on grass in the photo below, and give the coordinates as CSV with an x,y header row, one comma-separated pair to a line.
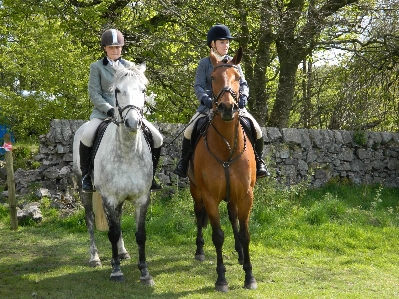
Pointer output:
x,y
36,264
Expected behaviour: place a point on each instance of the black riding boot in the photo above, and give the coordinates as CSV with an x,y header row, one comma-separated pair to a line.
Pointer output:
x,y
261,169
156,152
182,165
85,159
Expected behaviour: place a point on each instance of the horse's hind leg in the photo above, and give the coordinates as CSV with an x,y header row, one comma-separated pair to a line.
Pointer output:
x,y
122,252
114,233
232,209
87,202
141,237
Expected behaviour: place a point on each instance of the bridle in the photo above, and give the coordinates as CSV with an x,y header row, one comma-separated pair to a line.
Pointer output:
x,y
226,88
128,108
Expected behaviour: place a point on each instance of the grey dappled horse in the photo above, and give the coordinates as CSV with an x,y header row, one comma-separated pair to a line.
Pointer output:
x,y
122,170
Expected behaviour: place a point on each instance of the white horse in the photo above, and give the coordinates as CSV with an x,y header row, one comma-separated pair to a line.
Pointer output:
x,y
122,170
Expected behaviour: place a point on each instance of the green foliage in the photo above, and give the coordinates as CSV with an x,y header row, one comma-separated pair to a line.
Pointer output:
x,y
47,47
360,138
74,223
4,212
24,155
328,209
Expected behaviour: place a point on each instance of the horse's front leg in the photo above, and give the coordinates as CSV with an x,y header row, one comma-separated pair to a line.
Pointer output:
x,y
232,209
113,216
141,238
218,240
202,219
250,282
87,202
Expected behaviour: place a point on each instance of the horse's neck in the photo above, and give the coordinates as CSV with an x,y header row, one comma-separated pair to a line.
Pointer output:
x,y
128,142
230,132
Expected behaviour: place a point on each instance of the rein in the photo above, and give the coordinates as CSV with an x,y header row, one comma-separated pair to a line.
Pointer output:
x,y
230,160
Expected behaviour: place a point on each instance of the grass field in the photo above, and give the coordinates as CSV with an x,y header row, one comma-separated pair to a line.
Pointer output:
x,y
340,241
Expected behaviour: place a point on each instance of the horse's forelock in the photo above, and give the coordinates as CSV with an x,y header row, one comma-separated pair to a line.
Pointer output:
x,y
131,71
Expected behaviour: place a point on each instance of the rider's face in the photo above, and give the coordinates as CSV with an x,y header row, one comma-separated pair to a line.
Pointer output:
x,y
113,52
221,46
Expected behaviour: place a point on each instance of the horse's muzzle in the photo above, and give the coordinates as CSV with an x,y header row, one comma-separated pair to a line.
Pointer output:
x,y
227,112
132,125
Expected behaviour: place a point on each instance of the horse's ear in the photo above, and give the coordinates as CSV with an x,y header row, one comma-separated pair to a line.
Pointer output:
x,y
213,58
237,58
142,67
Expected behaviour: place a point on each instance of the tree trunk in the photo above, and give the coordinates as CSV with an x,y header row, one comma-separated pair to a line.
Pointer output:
x,y
257,79
284,96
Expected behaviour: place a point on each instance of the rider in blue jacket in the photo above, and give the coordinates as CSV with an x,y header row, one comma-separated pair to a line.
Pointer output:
x,y
218,39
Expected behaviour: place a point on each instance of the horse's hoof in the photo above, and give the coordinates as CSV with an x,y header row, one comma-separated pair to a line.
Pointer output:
x,y
117,277
251,285
200,257
147,280
124,256
95,263
222,287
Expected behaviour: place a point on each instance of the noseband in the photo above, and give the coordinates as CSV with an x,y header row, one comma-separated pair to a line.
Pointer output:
x,y
226,88
128,108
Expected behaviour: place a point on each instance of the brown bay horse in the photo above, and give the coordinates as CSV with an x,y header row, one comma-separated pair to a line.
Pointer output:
x,y
223,168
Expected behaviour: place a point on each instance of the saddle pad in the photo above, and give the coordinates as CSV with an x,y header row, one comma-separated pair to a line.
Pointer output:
x,y
99,136
97,140
200,128
249,129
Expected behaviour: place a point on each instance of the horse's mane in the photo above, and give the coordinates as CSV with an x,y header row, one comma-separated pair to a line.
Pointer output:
x,y
131,71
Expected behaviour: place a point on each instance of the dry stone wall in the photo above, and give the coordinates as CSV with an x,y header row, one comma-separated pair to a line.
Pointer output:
x,y
292,155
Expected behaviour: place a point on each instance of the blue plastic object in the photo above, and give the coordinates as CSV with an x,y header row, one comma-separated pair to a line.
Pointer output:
x,y
3,130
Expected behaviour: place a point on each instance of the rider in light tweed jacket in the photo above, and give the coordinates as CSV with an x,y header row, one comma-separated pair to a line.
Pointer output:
x,y
100,80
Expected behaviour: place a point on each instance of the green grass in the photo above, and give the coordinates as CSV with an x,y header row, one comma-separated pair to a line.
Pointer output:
x,y
340,241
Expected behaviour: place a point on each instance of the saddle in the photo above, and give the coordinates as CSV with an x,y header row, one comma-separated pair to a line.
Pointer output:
x,y
202,125
99,136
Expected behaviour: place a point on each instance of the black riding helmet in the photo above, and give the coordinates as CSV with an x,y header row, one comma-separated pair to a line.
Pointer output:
x,y
112,37
218,32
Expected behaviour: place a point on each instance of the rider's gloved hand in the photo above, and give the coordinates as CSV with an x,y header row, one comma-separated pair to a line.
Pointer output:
x,y
243,101
111,112
206,101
